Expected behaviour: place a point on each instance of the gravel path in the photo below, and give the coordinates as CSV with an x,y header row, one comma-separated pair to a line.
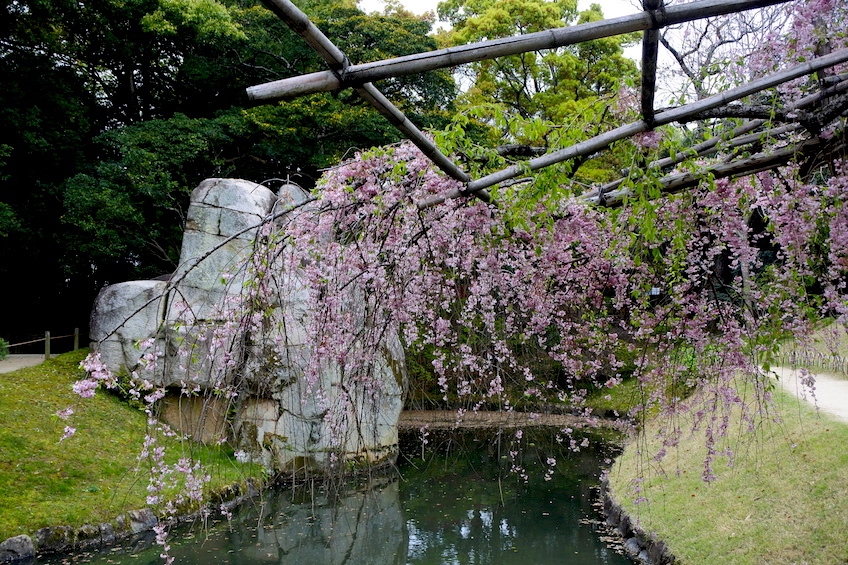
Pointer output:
x,y
830,393
14,362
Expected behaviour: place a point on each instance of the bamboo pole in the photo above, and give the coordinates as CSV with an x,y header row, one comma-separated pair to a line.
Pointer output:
x,y
338,62
768,81
650,50
453,56
583,148
314,37
707,149
680,114
736,138
374,97
741,167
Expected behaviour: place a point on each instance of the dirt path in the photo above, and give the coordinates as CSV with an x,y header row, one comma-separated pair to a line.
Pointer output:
x,y
831,392
14,362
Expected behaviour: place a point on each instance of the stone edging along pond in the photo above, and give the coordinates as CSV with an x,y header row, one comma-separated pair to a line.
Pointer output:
x,y
128,527
641,546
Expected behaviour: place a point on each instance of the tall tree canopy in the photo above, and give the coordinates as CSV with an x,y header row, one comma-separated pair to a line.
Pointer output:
x,y
539,100
547,84
112,112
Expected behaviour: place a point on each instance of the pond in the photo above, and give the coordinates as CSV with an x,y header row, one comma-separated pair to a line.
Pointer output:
x,y
462,503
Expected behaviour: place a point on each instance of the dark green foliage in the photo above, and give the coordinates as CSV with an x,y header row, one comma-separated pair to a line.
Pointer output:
x,y
112,112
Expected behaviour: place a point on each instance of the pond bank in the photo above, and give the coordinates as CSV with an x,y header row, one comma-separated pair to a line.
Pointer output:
x,y
772,501
458,501
129,527
137,525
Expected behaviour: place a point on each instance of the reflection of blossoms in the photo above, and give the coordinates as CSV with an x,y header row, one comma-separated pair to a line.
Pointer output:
x,y
549,472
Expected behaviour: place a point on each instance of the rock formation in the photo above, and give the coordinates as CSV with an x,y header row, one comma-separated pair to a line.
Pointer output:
x,y
245,383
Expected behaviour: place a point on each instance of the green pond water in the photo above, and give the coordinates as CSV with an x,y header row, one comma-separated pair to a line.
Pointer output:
x,y
459,504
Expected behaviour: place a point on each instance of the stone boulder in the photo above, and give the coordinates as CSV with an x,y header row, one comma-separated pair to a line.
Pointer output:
x,y
180,322
17,548
124,315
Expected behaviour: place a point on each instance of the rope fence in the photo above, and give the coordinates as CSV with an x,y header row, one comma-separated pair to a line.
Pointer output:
x,y
47,339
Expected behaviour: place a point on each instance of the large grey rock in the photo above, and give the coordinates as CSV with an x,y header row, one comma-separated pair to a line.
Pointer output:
x,y
221,226
277,420
55,539
16,548
124,315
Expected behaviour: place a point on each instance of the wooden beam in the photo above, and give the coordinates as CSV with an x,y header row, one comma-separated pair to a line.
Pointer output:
x,y
453,56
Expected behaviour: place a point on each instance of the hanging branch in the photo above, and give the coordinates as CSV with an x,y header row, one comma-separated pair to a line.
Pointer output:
x,y
353,75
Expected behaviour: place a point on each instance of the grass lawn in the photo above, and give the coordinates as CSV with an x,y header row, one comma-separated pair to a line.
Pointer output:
x,y
91,477
784,500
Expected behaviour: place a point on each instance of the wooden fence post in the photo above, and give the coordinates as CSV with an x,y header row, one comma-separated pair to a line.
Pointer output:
x,y
76,339
47,345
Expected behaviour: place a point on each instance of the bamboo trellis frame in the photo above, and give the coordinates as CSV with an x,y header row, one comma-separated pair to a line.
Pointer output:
x,y
656,15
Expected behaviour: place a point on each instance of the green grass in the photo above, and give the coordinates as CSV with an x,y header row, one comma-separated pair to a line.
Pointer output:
x,y
782,501
619,400
91,477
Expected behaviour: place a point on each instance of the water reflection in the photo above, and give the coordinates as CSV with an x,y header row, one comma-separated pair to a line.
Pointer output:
x,y
463,505
459,505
